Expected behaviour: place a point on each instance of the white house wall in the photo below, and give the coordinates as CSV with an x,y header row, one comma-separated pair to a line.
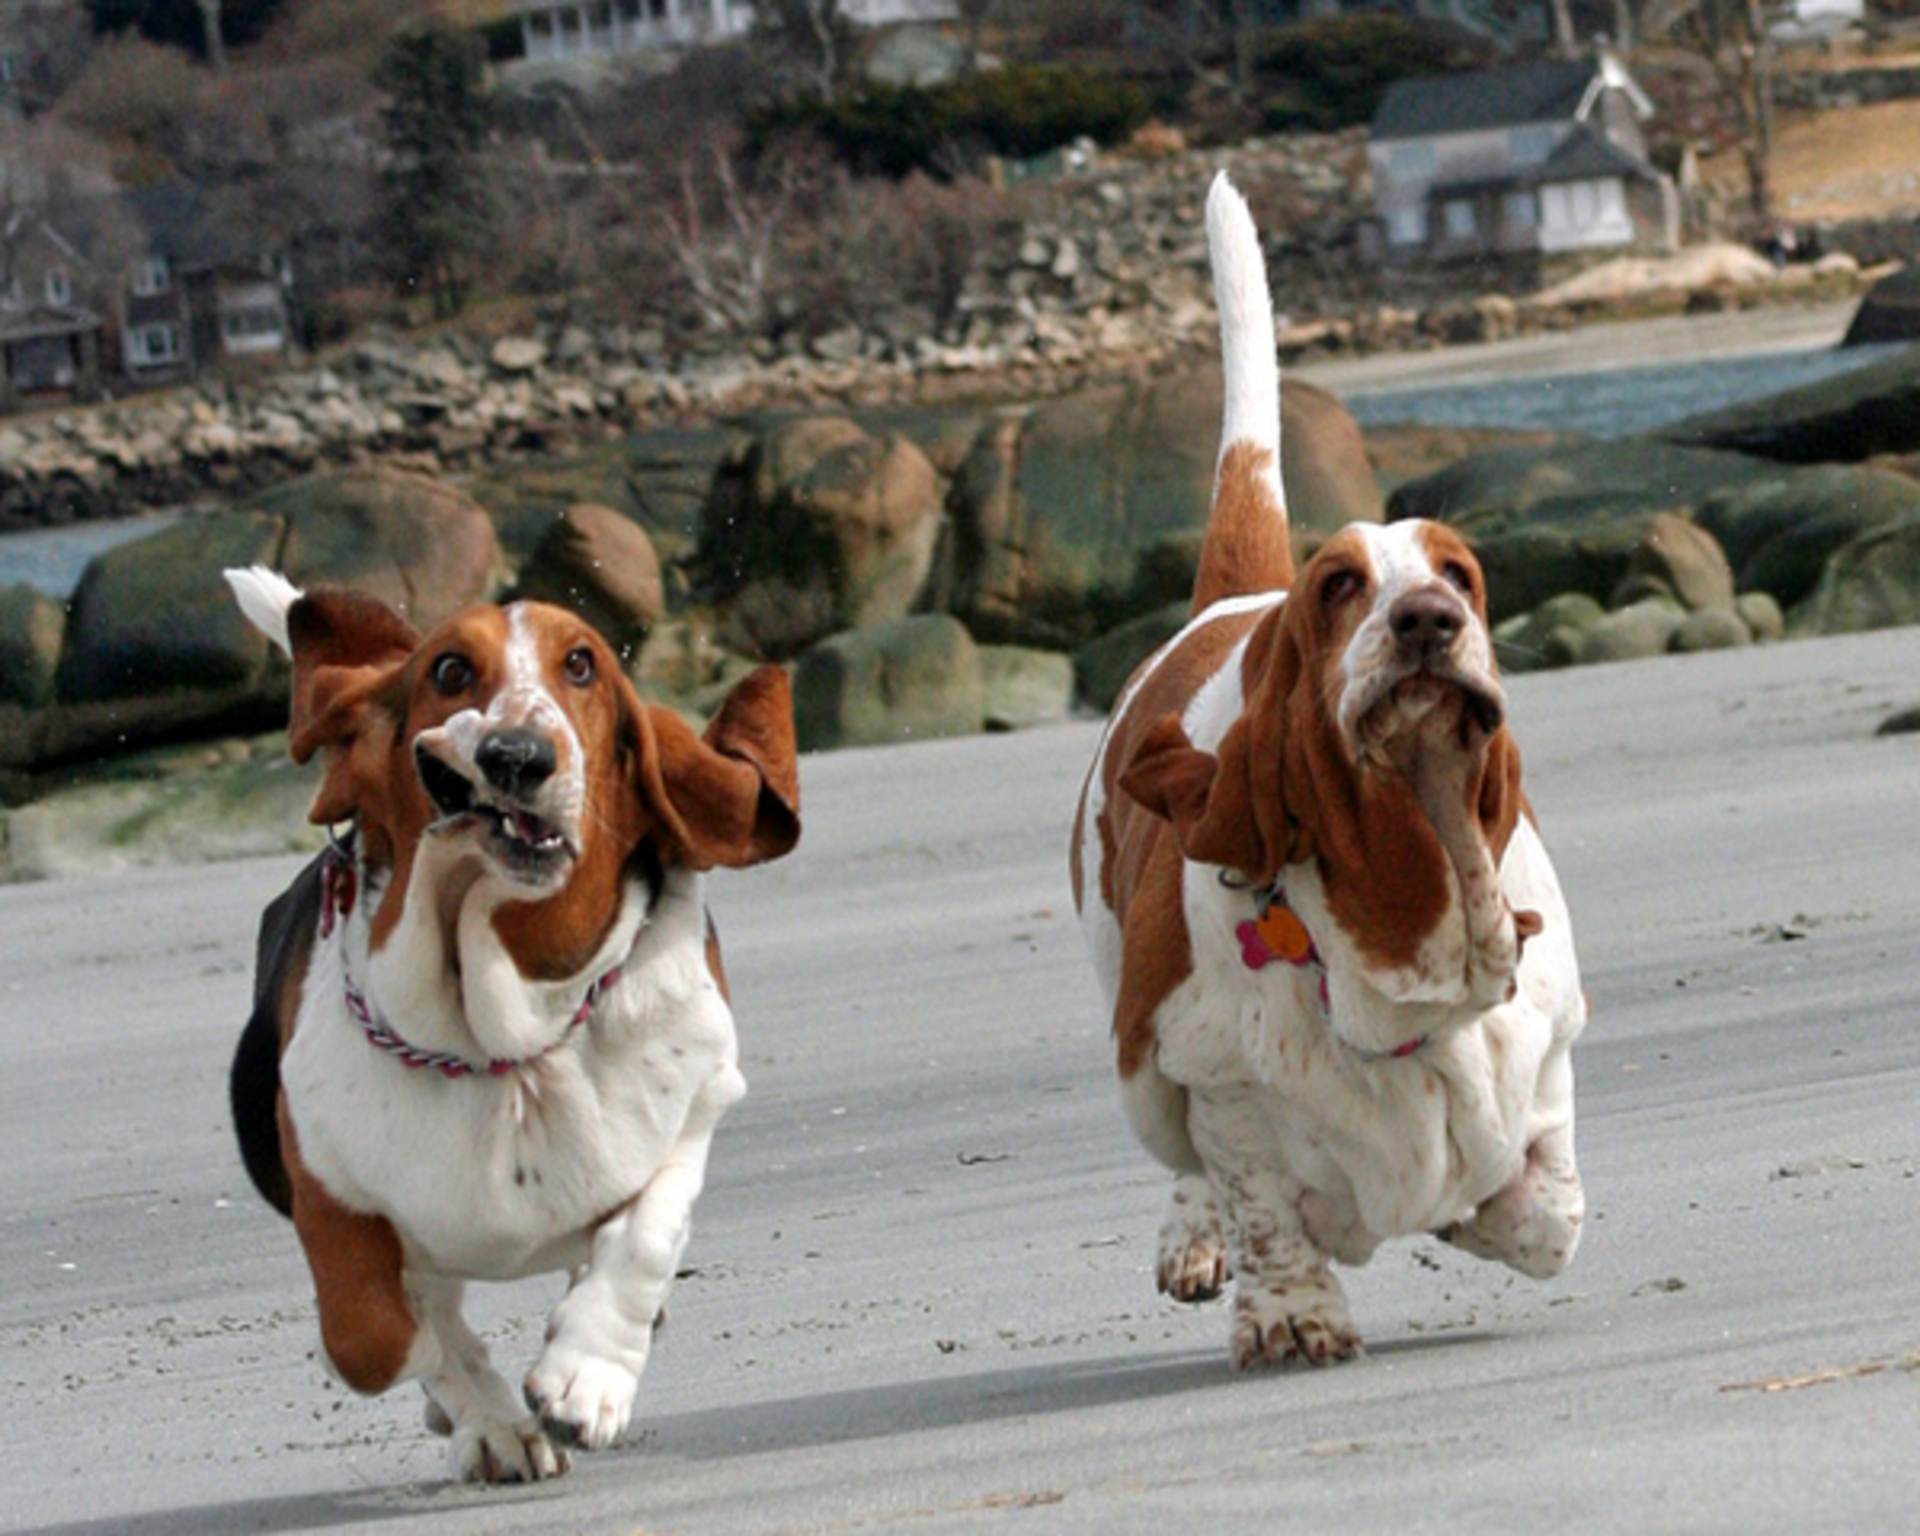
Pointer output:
x,y
1405,171
1583,215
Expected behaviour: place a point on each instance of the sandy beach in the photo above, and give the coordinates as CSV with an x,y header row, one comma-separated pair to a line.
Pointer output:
x,y
919,1292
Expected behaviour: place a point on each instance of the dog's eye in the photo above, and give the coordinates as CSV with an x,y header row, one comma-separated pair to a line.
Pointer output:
x,y
580,666
1338,587
452,673
1458,575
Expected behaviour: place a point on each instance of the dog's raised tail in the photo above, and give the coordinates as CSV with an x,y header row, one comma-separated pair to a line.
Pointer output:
x,y
264,597
1246,548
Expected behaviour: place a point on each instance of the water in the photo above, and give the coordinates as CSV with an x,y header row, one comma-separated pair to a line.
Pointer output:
x,y
53,559
1608,402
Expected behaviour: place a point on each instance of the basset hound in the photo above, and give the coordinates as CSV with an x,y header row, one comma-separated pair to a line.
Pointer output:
x,y
491,1035
1339,966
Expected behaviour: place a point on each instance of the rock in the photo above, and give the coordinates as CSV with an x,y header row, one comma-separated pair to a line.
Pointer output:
x,y
1051,515
413,541
32,628
1101,667
1844,419
1780,530
1761,614
1643,629
1025,687
1889,311
153,619
1567,516
817,526
1872,583
1679,559
518,354
603,566
909,679
1549,636
1710,629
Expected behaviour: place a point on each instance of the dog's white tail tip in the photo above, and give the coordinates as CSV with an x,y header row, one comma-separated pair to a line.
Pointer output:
x,y
1246,321
264,597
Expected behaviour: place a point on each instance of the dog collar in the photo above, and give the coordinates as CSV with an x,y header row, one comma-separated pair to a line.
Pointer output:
x,y
1275,932
338,887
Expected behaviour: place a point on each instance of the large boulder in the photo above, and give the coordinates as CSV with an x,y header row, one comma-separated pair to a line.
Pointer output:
x,y
156,647
910,679
32,627
1780,531
1678,558
1889,311
814,526
415,542
1052,513
1547,518
1873,583
603,566
1844,419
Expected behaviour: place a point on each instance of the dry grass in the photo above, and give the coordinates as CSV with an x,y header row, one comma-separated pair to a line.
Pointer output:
x,y
1859,162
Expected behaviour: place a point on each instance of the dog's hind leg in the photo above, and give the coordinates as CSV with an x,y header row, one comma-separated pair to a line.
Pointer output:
x,y
493,1439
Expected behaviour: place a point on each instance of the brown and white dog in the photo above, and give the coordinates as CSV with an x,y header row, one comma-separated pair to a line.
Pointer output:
x,y
1340,969
491,1035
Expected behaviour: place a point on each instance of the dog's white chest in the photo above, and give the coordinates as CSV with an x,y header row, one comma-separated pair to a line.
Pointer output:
x,y
492,1177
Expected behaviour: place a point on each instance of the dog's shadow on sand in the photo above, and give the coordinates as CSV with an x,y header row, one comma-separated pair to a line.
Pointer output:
x,y
927,1405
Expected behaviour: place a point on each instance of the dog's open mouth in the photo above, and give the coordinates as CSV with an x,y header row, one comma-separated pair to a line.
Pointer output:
x,y
527,846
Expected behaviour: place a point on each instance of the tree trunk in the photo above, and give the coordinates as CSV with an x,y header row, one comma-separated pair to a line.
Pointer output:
x,y
210,24
1563,39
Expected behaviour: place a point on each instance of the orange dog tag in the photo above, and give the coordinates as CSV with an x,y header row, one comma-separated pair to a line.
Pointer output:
x,y
1285,935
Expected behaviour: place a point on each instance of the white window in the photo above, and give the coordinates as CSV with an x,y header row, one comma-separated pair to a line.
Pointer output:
x,y
1517,211
59,286
151,344
1407,226
11,294
151,276
252,327
1458,215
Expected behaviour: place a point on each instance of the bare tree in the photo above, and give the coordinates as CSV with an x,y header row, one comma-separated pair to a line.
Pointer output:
x,y
728,263
1735,39
210,24
814,34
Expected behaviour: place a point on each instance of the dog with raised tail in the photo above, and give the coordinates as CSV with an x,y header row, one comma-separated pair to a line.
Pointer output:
x,y
1337,961
491,1035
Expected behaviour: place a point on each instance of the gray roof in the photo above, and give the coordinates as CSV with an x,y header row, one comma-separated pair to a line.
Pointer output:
x,y
1586,154
1545,91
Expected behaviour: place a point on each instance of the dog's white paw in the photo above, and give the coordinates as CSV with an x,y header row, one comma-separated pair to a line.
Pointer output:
x,y
509,1451
1303,1324
582,1400
1192,1262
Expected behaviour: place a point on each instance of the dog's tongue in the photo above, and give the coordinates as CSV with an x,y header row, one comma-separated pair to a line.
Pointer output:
x,y
528,829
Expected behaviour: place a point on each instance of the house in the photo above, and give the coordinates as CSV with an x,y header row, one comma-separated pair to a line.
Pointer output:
x,y
558,29
194,292
1540,159
49,333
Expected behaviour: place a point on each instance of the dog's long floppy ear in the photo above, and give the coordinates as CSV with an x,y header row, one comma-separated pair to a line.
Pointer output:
x,y
347,653
1206,798
732,795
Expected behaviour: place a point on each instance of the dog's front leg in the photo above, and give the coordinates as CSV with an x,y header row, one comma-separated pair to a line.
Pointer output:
x,y
584,1383
494,1441
1287,1306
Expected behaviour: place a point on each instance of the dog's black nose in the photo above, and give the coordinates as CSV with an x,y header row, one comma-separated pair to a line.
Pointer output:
x,y
517,761
1426,620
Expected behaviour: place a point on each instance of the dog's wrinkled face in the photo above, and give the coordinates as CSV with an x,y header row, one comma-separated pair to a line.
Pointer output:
x,y
1408,655
507,709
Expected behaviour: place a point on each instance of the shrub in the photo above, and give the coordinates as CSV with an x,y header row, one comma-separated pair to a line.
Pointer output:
x,y
1018,112
1331,71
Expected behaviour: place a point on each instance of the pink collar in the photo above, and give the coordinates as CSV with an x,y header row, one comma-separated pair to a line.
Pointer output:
x,y
338,886
1275,932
